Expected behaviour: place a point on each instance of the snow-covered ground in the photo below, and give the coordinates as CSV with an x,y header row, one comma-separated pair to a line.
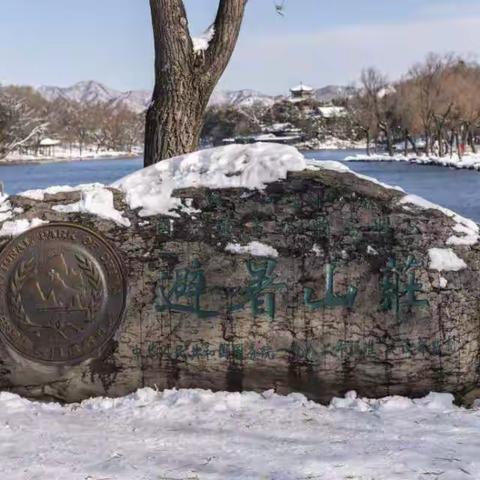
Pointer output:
x,y
469,161
60,154
197,434
332,143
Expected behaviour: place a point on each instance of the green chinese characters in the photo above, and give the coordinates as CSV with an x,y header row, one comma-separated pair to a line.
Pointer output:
x,y
260,293
331,299
399,287
184,296
189,285
399,290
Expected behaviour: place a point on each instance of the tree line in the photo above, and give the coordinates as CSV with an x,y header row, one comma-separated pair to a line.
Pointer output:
x,y
26,118
434,108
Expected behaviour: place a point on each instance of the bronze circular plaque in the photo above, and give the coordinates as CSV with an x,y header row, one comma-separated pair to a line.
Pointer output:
x,y
62,294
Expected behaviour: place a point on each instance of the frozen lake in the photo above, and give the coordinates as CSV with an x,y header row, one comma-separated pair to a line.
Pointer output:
x,y
458,190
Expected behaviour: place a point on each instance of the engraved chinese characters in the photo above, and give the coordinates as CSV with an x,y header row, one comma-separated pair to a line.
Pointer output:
x,y
62,294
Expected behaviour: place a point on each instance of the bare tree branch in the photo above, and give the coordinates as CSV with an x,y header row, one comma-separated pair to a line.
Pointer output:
x,y
227,29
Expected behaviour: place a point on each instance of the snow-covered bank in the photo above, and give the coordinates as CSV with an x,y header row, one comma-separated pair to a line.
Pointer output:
x,y
468,161
61,154
197,434
331,143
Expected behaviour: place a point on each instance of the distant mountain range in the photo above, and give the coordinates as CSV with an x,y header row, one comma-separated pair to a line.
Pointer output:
x,y
334,92
138,100
240,98
91,91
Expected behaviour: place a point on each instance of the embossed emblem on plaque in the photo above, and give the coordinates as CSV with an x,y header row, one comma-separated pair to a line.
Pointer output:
x,y
62,294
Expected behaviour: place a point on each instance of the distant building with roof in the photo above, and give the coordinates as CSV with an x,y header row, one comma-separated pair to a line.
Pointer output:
x,y
38,146
301,92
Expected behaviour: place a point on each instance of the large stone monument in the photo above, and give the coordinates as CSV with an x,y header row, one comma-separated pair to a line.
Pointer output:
x,y
319,282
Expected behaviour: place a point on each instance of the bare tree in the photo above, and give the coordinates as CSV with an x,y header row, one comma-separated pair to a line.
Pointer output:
x,y
465,87
185,77
378,100
428,82
364,118
407,114
19,124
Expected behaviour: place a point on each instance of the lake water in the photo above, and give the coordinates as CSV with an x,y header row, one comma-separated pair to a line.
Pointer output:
x,y
458,190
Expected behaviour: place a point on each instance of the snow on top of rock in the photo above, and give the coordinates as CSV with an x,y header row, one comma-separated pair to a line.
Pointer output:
x,y
234,166
445,259
468,229
97,200
13,228
201,43
5,208
254,248
39,194
340,167
469,235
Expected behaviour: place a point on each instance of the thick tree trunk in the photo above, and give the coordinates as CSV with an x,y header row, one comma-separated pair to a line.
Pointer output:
x,y
185,79
174,122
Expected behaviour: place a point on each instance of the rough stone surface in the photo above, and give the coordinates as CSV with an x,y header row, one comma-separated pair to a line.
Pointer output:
x,y
199,316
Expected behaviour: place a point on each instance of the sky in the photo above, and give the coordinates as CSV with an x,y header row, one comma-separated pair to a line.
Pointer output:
x,y
318,42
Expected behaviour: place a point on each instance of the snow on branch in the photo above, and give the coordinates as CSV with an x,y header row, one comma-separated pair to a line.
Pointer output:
x,y
201,43
18,124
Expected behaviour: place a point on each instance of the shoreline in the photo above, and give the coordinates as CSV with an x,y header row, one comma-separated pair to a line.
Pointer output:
x,y
40,161
469,161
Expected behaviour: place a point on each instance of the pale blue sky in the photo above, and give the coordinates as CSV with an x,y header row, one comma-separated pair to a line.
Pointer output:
x,y
59,42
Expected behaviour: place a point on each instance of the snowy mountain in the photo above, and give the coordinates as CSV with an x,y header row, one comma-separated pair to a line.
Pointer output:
x,y
88,92
91,92
333,92
240,98
138,100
